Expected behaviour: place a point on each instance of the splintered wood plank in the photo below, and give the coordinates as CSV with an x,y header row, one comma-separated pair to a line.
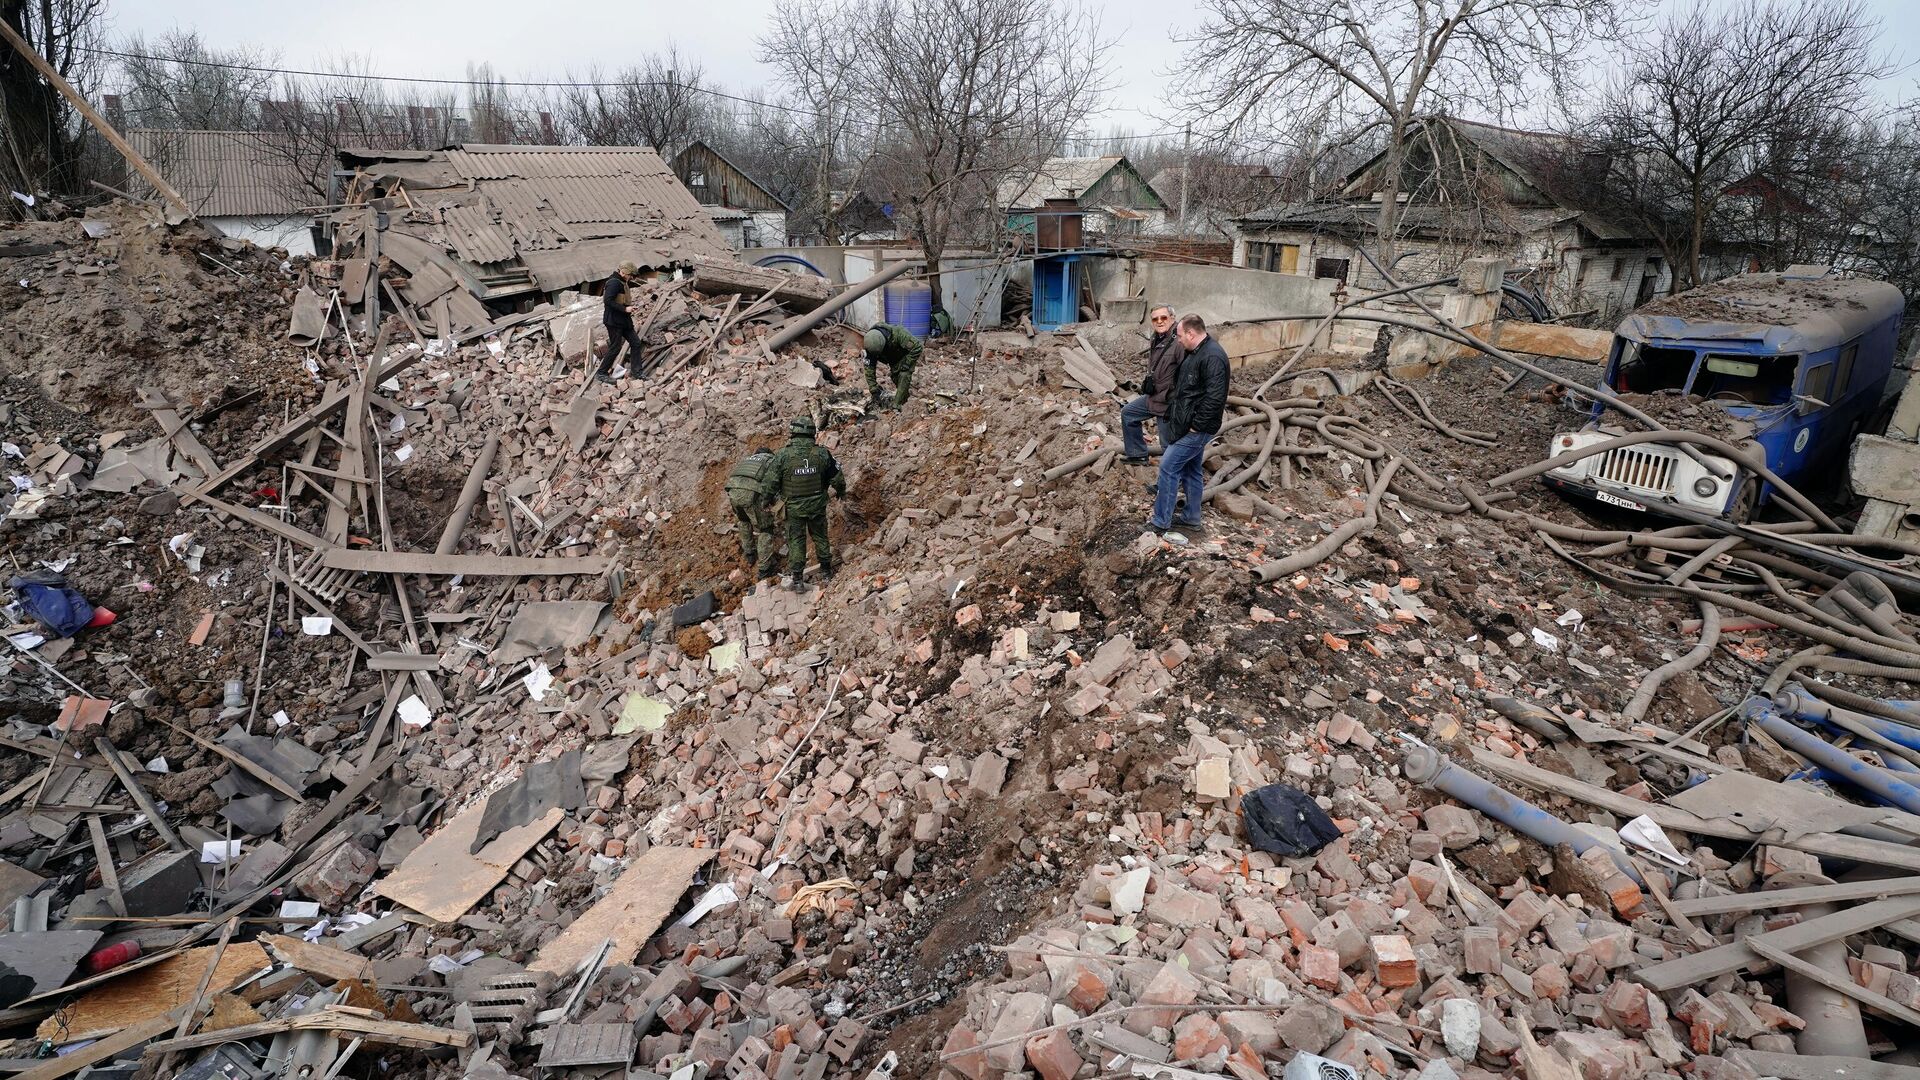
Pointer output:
x,y
426,562
441,880
630,912
154,991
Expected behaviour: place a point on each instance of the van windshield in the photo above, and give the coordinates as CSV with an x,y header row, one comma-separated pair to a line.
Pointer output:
x,y
1645,369
1744,378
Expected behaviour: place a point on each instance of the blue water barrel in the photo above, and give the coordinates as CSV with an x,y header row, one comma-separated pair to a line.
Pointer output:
x,y
908,304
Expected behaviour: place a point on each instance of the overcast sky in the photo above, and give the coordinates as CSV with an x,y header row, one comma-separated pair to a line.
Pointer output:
x,y
438,38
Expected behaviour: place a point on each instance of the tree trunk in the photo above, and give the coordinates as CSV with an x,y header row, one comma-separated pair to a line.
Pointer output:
x,y
1391,165
40,156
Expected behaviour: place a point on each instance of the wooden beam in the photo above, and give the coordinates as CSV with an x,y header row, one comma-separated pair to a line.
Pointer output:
x,y
1818,1067
422,562
105,1049
99,122
336,1019
103,858
265,521
261,772
139,794
1825,844
176,430
1727,959
1834,982
1844,892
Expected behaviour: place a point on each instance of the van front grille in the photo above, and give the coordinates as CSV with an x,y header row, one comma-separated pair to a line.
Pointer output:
x,y
1635,467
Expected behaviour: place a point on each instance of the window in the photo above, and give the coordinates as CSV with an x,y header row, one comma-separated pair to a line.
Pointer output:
x,y
697,180
1280,258
1331,268
1843,377
1747,378
1818,383
1619,268
1645,369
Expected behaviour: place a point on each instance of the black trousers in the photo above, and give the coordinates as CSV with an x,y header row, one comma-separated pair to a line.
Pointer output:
x,y
619,337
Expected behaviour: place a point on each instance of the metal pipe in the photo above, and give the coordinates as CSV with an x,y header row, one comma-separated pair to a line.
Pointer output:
x,y
791,330
469,494
1709,638
1833,1019
1428,767
1761,713
1798,703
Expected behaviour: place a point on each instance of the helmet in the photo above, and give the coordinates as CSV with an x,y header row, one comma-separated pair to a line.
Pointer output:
x,y
627,269
802,425
876,340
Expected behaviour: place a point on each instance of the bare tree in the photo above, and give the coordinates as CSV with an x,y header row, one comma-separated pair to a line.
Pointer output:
x,y
1696,106
818,65
1366,70
176,81
42,142
660,102
962,93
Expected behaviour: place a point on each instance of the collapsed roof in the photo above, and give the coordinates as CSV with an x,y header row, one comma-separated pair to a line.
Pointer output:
x,y
503,221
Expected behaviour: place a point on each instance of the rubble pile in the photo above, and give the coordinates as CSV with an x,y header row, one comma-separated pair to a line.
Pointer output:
x,y
523,776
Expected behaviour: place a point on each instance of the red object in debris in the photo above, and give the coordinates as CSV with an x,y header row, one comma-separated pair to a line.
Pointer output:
x,y
267,491
111,957
101,617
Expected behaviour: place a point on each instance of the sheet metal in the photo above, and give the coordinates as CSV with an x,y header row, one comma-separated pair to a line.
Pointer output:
x,y
475,236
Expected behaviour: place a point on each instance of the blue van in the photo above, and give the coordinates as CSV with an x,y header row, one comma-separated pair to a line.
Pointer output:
x,y
1797,360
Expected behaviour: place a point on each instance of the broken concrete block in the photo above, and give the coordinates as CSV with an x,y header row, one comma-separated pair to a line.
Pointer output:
x,y
337,879
1023,1013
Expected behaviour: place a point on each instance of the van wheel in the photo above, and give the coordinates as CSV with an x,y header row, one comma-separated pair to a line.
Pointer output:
x,y
1747,503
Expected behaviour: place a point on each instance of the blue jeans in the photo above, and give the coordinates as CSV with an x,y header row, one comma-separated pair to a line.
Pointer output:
x,y
1132,414
1180,468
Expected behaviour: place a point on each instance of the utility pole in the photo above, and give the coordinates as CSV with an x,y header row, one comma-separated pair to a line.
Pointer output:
x,y
1186,175
99,122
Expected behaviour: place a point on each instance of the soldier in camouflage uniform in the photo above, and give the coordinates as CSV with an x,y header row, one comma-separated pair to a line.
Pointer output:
x,y
804,471
896,347
752,487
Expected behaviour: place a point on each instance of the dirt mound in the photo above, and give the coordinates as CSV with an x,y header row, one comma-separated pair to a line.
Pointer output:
x,y
91,318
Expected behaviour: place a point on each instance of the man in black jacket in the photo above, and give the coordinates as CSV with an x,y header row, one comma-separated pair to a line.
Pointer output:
x,y
1194,413
615,298
1164,354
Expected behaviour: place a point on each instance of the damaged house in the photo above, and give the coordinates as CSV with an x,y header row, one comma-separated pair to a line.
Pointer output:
x,y
1471,190
482,230
1107,193
249,185
746,211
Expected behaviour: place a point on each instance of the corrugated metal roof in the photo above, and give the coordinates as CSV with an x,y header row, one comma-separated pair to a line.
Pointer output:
x,y
230,173
1057,178
475,236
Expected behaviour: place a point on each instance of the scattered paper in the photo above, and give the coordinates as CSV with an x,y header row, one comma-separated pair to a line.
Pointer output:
x,y
280,718
447,965
1545,640
403,453
27,640
159,765
1572,619
1643,832
21,482
316,625
9,448
28,199
298,909
940,771
414,712
641,713
219,851
398,425
538,682
712,898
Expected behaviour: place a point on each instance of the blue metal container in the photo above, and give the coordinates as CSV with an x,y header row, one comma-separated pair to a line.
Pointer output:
x,y
908,304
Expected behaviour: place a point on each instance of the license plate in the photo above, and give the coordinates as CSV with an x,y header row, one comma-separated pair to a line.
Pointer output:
x,y
1616,500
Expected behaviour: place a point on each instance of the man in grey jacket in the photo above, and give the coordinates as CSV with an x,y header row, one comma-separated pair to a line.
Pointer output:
x,y
1194,415
1164,354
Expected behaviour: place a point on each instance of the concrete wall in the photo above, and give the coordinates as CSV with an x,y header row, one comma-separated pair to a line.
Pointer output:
x,y
1215,293
292,234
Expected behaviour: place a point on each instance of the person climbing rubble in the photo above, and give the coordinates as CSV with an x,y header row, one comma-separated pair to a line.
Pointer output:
x,y
1164,354
896,347
617,316
805,471
752,488
1194,414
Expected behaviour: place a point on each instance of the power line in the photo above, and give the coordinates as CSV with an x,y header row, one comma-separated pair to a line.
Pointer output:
x,y
530,85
